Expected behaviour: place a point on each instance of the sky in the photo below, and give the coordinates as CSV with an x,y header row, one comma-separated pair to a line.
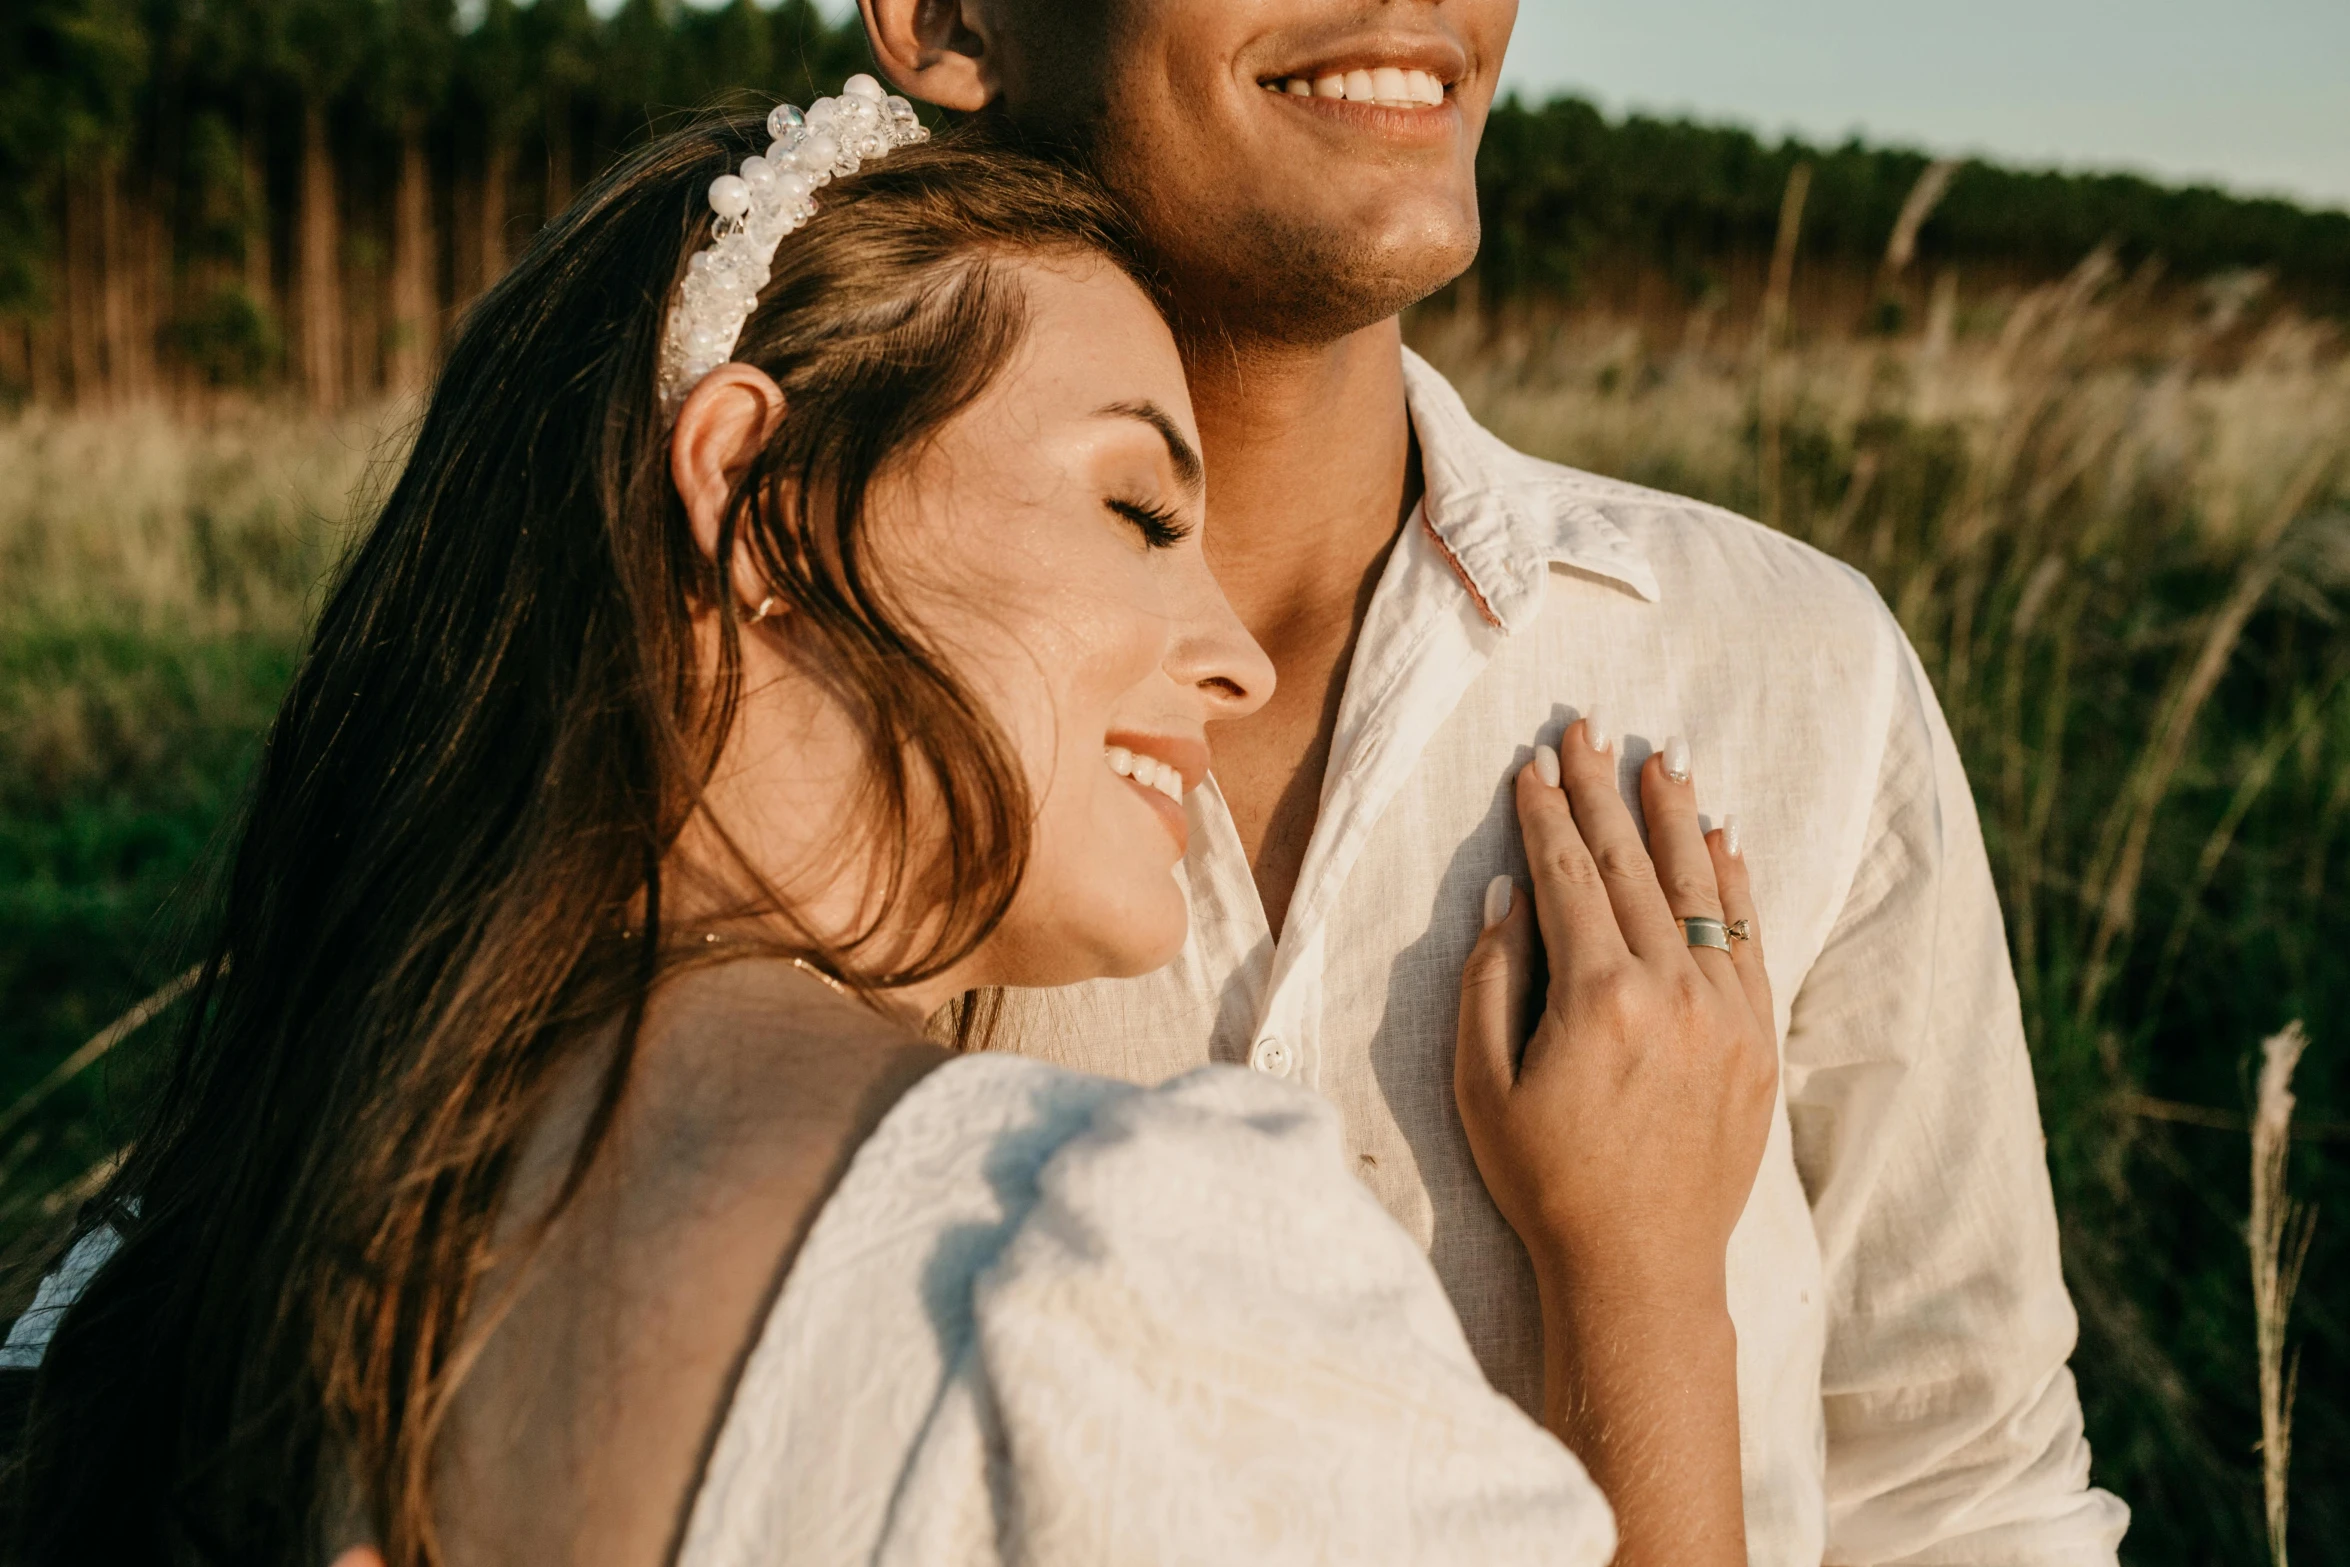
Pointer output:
x,y
2251,94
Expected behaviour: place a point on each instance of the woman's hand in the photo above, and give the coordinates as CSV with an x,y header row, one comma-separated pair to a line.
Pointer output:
x,y
1621,1133
1621,1137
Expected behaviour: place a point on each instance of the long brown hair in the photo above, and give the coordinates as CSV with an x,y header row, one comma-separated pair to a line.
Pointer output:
x,y
499,731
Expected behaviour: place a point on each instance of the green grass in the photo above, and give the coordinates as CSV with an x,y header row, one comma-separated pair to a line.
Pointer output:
x,y
124,752
2121,545
158,577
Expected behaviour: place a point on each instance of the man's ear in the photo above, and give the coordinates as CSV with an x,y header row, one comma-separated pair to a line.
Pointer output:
x,y
727,418
936,50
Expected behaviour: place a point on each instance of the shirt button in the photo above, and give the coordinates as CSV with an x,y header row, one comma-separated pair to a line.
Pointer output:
x,y
1271,1056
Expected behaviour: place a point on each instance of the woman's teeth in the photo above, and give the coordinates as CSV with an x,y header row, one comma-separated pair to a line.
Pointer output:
x,y
1386,86
1148,771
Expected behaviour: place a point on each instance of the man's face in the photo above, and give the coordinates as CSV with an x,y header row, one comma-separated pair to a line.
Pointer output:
x,y
1283,156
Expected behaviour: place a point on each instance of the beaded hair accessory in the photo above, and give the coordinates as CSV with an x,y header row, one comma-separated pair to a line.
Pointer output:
x,y
770,198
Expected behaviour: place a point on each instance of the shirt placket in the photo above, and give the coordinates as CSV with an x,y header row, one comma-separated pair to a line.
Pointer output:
x,y
1424,638
1231,940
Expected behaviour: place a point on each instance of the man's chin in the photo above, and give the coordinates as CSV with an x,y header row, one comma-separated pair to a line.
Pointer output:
x,y
1307,288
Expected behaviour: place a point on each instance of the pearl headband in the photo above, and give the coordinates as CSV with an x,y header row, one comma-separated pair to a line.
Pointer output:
x,y
770,198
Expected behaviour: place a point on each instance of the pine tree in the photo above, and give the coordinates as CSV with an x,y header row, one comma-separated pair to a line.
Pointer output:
x,y
416,44
324,47
500,97
562,38
70,74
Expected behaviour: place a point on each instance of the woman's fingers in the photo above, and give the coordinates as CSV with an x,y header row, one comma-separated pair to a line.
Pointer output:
x,y
1684,865
1625,868
1571,903
1729,867
1496,983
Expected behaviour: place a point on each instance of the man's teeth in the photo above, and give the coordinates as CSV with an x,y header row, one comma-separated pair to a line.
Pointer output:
x,y
1386,86
1148,771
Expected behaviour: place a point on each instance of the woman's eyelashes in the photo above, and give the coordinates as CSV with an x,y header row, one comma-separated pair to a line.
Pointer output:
x,y
1160,527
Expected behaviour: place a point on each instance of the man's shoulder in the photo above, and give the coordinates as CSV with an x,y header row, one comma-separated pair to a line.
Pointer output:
x,y
1695,559
1710,560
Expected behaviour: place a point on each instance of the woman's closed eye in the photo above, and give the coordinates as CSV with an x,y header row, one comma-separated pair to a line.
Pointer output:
x,y
1161,527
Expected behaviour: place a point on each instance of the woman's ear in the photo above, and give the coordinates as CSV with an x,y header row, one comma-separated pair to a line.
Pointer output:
x,y
724,422
935,50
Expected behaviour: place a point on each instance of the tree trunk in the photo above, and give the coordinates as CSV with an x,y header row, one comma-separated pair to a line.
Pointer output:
x,y
497,177
118,302
320,265
43,339
157,304
41,384
414,338
16,367
127,294
558,153
84,263
260,286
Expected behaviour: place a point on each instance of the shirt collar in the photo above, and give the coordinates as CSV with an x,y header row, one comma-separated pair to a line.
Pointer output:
x,y
1504,517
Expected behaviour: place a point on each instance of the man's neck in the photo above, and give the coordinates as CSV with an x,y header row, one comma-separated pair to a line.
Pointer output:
x,y
1311,469
1309,457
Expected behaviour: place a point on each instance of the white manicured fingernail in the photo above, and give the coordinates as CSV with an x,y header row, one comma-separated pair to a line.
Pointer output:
x,y
1498,893
1596,733
1546,765
1730,842
1677,759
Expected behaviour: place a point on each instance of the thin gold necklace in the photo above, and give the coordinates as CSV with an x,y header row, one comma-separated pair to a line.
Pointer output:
x,y
711,938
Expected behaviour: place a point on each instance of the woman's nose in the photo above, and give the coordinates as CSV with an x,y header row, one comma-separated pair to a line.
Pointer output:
x,y
1213,653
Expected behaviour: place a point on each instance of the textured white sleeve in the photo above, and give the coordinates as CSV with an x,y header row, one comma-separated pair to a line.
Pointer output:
x,y
1954,1430
1208,1343
28,1338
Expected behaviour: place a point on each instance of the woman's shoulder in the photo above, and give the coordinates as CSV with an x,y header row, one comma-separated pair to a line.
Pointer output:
x,y
1163,1312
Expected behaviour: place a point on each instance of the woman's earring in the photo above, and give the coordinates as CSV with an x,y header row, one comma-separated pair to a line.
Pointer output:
x,y
766,608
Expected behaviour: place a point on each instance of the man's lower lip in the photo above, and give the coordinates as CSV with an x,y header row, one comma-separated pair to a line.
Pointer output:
x,y
1426,124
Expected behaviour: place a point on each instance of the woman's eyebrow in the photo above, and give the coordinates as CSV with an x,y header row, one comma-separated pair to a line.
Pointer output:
x,y
1188,469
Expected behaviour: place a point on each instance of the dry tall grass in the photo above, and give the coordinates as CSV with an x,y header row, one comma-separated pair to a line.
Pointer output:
x,y
2055,398
203,528
2279,1233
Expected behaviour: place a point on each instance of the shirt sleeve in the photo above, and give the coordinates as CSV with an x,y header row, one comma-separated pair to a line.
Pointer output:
x,y
1208,1343
1953,1427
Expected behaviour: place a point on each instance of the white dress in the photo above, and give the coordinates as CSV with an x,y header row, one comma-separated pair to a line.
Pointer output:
x,y
1053,1319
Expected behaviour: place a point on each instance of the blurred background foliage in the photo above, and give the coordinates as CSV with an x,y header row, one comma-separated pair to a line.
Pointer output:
x,y
218,194
2089,435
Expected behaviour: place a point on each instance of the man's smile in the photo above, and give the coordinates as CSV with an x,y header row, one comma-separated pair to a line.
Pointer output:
x,y
1388,86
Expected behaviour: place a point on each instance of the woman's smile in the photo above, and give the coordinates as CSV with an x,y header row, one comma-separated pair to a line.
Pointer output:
x,y
1162,769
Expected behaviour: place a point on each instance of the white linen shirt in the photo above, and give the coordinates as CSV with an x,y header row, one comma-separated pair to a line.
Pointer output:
x,y
1902,1320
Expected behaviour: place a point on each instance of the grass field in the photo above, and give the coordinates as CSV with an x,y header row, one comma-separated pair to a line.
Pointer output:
x,y
158,576
2120,537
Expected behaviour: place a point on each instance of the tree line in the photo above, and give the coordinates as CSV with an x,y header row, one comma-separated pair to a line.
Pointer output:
x,y
244,193
205,194
1569,193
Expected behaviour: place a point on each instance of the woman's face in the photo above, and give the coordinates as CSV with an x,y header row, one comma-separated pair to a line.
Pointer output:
x,y
1047,546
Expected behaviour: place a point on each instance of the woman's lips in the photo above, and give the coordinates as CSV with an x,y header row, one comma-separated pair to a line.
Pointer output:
x,y
1161,769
